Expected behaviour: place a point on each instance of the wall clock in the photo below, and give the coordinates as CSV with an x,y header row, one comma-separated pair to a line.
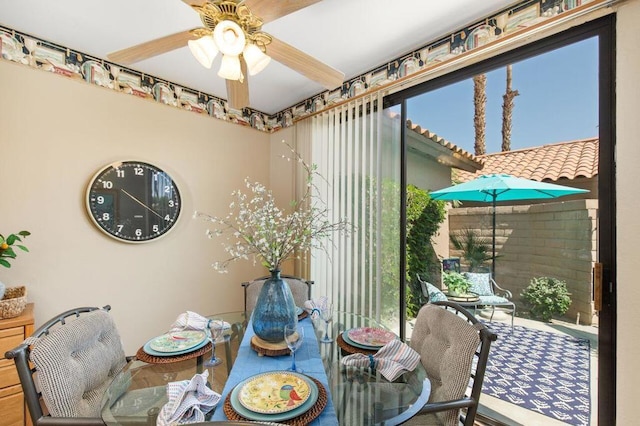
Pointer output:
x,y
132,201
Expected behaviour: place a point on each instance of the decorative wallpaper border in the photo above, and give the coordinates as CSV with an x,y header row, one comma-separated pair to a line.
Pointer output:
x,y
48,56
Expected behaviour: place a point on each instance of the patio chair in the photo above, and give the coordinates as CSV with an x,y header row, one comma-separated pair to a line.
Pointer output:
x,y
454,349
300,288
491,294
430,293
75,356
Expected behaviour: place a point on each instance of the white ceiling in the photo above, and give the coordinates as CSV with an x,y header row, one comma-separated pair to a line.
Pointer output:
x,y
353,36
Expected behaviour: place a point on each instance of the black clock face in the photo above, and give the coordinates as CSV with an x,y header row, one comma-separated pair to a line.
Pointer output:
x,y
133,201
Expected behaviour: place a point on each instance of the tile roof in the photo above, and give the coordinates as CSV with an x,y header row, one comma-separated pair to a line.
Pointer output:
x,y
445,143
551,162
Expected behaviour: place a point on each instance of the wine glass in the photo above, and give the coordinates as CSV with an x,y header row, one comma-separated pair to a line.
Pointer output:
x,y
293,336
326,315
214,331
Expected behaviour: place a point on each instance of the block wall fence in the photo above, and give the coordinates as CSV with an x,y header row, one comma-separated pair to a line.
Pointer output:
x,y
556,239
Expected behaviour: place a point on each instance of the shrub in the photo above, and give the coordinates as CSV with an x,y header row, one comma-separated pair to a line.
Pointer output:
x,y
424,216
475,250
546,296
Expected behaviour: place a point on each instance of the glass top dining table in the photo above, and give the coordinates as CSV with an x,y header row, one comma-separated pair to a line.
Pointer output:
x,y
360,396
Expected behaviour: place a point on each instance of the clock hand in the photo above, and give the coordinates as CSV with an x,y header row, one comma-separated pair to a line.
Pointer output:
x,y
141,203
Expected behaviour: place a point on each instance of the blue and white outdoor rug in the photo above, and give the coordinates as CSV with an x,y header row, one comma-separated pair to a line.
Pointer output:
x,y
544,372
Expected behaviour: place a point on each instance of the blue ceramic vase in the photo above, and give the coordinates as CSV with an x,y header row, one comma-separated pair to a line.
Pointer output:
x,y
274,309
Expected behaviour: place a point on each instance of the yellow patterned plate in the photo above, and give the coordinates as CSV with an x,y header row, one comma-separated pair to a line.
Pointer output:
x,y
274,392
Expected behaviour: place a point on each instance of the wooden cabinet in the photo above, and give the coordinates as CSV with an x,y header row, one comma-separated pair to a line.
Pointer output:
x,y
12,332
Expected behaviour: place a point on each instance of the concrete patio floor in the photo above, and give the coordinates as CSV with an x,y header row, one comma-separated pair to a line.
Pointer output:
x,y
509,414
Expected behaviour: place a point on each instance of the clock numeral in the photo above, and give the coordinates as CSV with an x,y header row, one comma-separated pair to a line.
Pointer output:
x,y
120,173
120,228
139,171
138,232
167,217
107,184
100,199
106,216
171,203
156,228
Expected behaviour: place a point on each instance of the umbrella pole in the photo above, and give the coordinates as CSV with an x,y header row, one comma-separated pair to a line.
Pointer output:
x,y
493,242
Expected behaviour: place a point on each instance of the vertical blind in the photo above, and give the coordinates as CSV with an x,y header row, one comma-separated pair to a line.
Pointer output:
x,y
347,144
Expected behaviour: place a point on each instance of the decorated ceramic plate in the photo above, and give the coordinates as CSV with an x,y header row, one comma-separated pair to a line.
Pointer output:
x,y
275,417
274,392
371,336
147,348
177,341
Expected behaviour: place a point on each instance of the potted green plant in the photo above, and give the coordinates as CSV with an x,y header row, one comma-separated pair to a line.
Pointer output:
x,y
7,251
457,284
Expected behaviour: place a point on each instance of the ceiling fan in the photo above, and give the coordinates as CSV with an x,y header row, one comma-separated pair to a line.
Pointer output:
x,y
233,28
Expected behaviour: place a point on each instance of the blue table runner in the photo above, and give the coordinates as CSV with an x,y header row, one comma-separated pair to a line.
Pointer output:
x,y
308,359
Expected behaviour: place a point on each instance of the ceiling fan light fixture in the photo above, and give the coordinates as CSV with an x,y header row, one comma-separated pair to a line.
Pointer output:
x,y
229,38
255,58
204,50
230,68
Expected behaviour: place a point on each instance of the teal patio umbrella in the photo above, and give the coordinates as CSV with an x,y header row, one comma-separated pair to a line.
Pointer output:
x,y
502,187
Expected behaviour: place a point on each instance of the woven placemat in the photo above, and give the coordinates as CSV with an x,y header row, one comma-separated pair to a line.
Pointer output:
x,y
347,348
302,420
153,359
268,348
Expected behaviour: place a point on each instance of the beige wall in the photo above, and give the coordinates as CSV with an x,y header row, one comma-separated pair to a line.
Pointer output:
x,y
628,206
55,133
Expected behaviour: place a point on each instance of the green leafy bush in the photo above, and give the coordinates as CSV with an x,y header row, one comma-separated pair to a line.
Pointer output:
x,y
546,296
424,216
456,283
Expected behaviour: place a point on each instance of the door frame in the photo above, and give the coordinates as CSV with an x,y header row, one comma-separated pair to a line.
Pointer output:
x,y
604,29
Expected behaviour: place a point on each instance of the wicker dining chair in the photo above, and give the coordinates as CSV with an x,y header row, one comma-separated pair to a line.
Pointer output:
x,y
454,350
75,356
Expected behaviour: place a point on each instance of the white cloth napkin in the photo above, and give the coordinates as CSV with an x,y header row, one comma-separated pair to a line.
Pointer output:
x,y
391,360
315,305
189,401
193,321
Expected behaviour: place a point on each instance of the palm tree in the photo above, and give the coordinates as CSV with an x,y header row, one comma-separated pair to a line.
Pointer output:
x,y
507,112
479,119
475,249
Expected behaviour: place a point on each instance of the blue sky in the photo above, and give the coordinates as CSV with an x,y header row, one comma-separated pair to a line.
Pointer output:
x,y
558,102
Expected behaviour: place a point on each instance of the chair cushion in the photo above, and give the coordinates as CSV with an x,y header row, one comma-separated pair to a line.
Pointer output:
x,y
76,362
435,295
446,344
494,300
480,283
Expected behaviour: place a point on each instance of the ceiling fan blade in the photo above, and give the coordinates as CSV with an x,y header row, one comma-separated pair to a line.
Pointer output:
x,y
305,64
270,10
237,92
151,48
